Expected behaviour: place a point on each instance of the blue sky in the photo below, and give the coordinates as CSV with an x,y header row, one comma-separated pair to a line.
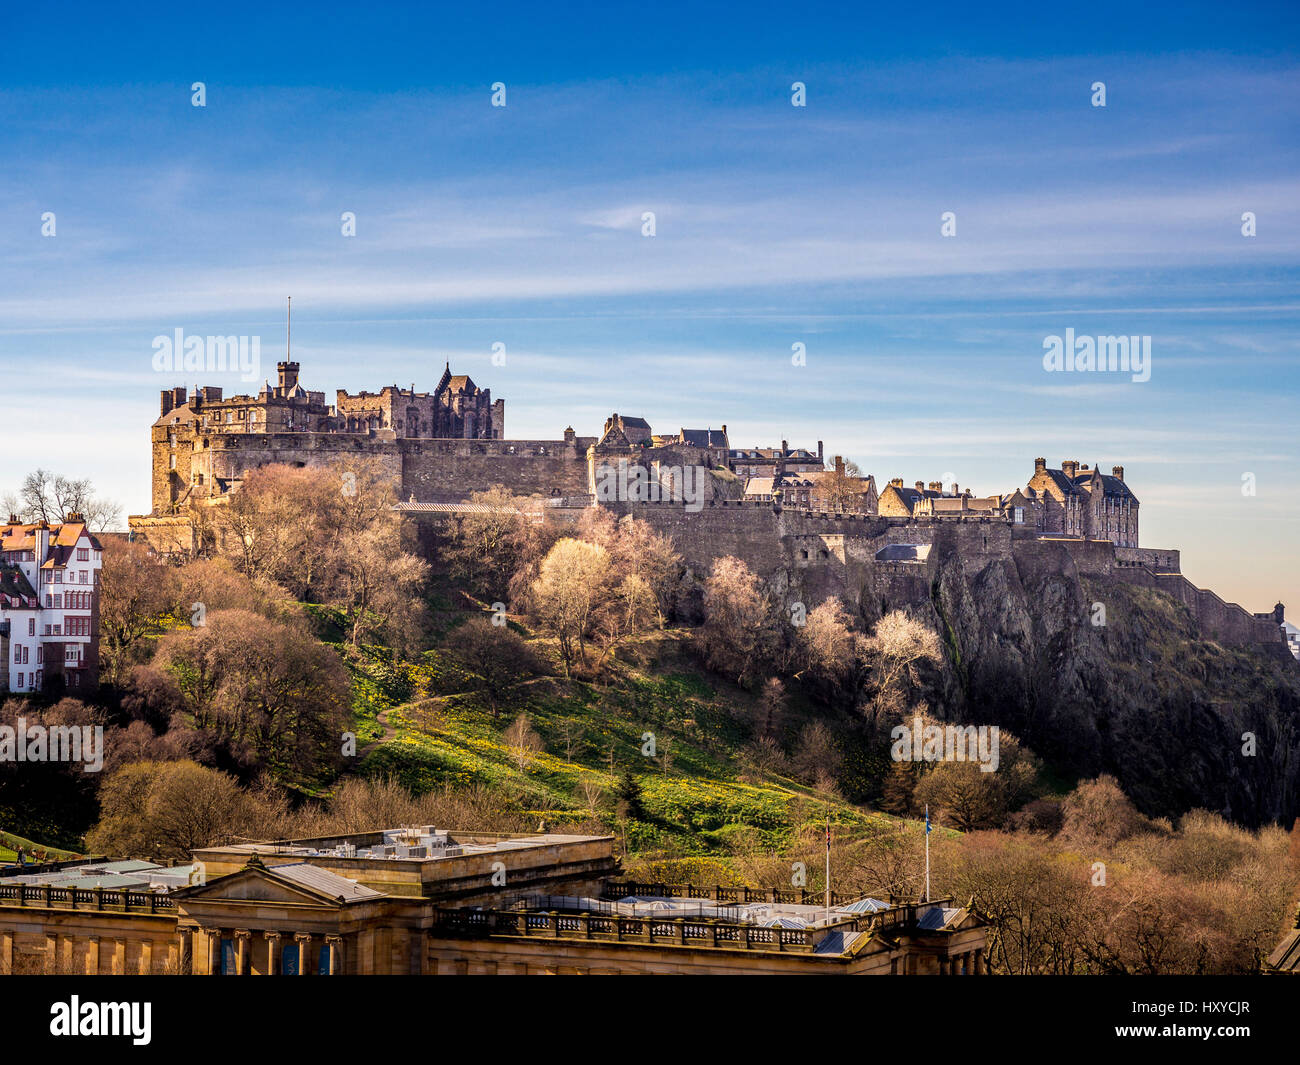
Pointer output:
x,y
775,225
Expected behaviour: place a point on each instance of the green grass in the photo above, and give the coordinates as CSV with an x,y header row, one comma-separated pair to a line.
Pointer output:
x,y
9,844
592,733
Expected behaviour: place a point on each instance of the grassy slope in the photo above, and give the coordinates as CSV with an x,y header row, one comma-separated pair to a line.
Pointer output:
x,y
9,844
594,733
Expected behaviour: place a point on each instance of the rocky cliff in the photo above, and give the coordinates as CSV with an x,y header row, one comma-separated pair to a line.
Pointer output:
x,y
1098,674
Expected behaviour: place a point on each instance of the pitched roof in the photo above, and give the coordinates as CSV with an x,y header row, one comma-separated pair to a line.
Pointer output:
x,y
704,437
1111,486
324,882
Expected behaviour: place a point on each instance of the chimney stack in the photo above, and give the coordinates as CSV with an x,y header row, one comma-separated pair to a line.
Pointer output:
x,y
839,460
1040,465
819,452
920,486
168,401
1070,467
1117,472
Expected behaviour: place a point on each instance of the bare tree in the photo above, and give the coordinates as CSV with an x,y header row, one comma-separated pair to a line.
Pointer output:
x,y
523,743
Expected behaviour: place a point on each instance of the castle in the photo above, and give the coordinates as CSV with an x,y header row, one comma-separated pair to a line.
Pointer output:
x,y
814,530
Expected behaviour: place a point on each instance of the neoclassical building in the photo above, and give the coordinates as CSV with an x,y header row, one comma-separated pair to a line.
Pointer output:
x,y
418,900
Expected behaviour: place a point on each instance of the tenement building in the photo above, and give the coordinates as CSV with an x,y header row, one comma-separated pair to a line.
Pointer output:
x,y
420,900
49,605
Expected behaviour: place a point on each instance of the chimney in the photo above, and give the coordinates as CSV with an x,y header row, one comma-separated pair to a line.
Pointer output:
x,y
954,489
1070,467
168,401
1040,465
819,452
936,486
288,372
1117,472
920,486
839,460
178,396
724,428
897,482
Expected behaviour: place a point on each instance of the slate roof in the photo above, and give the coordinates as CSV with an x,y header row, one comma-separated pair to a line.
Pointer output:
x,y
324,882
1111,486
14,585
704,437
903,553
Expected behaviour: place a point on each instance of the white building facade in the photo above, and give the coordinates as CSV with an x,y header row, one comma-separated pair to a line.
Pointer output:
x,y
49,606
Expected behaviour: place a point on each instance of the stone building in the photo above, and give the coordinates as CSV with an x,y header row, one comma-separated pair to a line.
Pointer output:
x,y
1077,501
456,409
899,501
418,900
191,438
774,461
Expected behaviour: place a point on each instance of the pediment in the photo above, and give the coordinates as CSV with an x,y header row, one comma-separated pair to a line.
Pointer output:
x,y
256,885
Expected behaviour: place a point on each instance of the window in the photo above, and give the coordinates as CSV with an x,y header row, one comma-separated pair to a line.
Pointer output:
x,y
58,576
18,654
31,626
20,680
171,462
83,554
58,602
40,654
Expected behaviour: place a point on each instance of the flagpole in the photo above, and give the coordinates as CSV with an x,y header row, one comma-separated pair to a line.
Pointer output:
x,y
927,852
828,868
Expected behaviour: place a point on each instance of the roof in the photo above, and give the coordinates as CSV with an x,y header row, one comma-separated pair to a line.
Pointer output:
x,y
903,553
324,882
1111,486
1062,483
14,585
63,538
938,918
704,437
1286,956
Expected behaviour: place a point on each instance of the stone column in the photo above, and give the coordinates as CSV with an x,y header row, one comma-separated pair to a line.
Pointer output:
x,y
119,957
303,939
92,956
214,951
146,957
979,961
6,953
272,953
242,951
335,944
